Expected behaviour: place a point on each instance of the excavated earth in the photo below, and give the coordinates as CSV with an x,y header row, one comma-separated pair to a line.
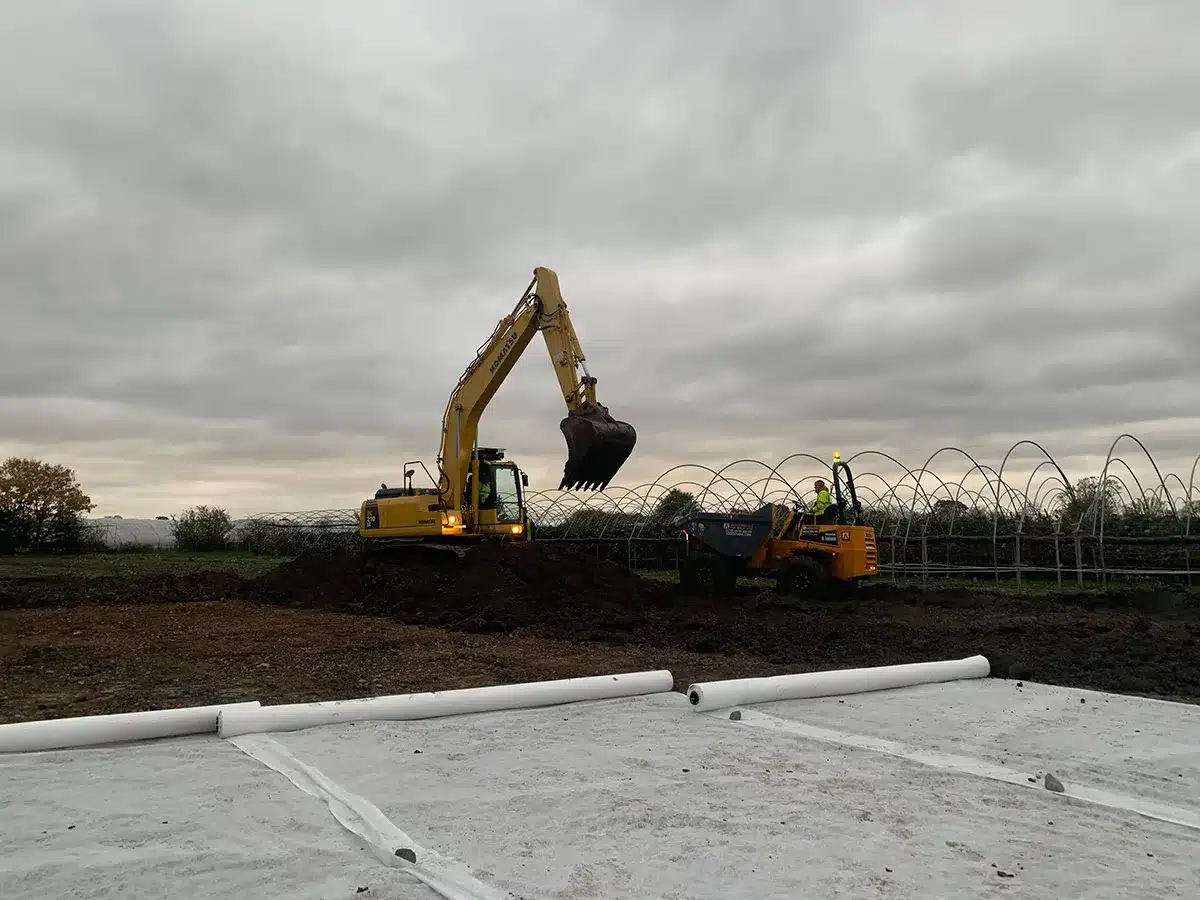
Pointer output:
x,y
322,627
1136,643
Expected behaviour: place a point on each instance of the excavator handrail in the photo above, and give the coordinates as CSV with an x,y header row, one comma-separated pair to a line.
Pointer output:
x,y
425,469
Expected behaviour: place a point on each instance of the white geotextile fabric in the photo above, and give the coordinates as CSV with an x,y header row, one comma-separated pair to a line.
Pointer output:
x,y
633,797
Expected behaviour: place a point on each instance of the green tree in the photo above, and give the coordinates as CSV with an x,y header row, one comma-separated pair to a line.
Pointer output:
x,y
947,508
673,506
41,505
1083,501
202,528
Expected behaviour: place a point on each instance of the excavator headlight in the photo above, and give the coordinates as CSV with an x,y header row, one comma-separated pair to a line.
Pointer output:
x,y
517,529
452,519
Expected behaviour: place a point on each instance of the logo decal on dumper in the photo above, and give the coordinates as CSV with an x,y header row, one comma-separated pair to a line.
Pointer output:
x,y
814,533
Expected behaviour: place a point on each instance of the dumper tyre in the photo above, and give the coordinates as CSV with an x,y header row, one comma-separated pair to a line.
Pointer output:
x,y
707,575
803,576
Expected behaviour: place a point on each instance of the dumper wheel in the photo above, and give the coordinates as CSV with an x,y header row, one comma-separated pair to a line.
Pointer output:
x,y
802,576
706,575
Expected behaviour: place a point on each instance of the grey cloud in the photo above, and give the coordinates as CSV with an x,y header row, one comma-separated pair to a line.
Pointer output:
x,y
1074,241
965,371
1063,105
1101,371
234,236
550,145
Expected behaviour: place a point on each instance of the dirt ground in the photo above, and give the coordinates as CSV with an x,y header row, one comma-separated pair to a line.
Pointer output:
x,y
124,657
127,635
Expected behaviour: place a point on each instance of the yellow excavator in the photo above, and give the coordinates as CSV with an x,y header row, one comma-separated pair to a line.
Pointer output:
x,y
478,492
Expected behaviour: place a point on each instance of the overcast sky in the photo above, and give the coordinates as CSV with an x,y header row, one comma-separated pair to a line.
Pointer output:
x,y
247,249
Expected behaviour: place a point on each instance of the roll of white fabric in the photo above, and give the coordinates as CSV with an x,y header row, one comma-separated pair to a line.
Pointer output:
x,y
88,731
744,691
296,716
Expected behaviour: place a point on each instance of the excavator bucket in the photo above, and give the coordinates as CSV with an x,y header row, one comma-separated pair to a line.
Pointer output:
x,y
597,446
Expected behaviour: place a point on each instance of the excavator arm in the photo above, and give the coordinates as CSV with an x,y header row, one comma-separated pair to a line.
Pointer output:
x,y
597,444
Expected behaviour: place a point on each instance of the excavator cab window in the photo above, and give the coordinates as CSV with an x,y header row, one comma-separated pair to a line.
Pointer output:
x,y
498,490
506,494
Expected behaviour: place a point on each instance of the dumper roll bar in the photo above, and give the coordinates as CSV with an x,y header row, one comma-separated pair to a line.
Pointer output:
x,y
838,468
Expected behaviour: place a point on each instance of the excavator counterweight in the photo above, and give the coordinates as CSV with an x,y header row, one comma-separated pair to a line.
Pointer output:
x,y
597,447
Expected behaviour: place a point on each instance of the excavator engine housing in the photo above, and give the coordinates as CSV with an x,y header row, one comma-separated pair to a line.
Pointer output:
x,y
409,513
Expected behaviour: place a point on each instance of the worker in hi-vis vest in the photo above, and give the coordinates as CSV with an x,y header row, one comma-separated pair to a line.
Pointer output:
x,y
485,486
822,506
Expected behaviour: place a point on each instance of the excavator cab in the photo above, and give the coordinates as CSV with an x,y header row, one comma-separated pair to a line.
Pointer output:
x,y
597,447
501,496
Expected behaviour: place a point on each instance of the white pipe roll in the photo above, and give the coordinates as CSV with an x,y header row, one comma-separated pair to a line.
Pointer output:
x,y
744,691
296,716
88,731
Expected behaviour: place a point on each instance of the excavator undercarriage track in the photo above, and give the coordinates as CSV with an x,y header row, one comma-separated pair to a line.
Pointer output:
x,y
399,547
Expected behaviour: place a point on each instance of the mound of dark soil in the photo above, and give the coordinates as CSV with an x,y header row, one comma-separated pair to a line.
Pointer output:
x,y
558,592
491,588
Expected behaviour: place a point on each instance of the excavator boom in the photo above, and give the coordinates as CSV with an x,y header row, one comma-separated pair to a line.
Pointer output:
x,y
597,444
